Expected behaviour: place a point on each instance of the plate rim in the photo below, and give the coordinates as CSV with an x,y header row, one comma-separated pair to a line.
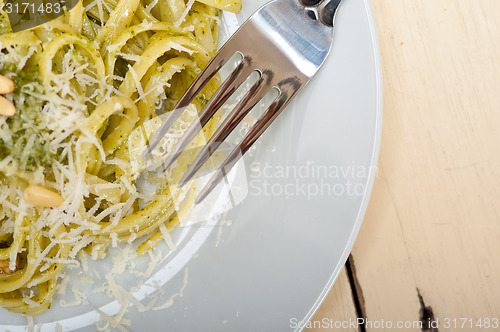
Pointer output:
x,y
373,167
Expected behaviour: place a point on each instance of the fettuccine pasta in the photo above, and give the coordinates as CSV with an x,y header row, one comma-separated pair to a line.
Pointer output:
x,y
88,88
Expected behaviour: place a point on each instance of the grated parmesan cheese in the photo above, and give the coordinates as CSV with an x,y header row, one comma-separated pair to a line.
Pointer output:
x,y
167,237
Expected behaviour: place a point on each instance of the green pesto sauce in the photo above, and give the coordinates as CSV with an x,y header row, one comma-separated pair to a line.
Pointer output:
x,y
26,126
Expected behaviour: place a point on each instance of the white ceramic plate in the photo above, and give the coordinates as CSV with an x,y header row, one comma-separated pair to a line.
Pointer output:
x,y
309,182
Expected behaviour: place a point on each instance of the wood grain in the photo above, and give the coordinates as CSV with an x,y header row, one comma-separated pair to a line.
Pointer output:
x,y
433,224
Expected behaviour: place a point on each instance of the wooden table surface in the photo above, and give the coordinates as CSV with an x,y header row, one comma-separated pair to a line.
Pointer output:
x,y
429,248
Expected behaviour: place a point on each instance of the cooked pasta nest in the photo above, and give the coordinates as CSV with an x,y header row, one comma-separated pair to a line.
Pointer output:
x,y
89,86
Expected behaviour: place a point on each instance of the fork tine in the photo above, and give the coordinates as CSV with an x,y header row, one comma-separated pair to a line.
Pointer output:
x,y
232,83
194,89
251,98
289,88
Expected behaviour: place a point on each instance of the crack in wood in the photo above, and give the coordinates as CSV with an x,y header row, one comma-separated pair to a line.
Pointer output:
x,y
426,315
357,293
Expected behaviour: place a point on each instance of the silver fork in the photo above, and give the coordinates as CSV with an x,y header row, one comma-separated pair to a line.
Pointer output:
x,y
285,42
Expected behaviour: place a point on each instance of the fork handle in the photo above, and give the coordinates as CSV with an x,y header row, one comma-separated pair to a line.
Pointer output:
x,y
310,2
326,9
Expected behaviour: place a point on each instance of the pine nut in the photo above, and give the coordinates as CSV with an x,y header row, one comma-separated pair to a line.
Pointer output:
x,y
6,107
6,85
5,266
42,196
